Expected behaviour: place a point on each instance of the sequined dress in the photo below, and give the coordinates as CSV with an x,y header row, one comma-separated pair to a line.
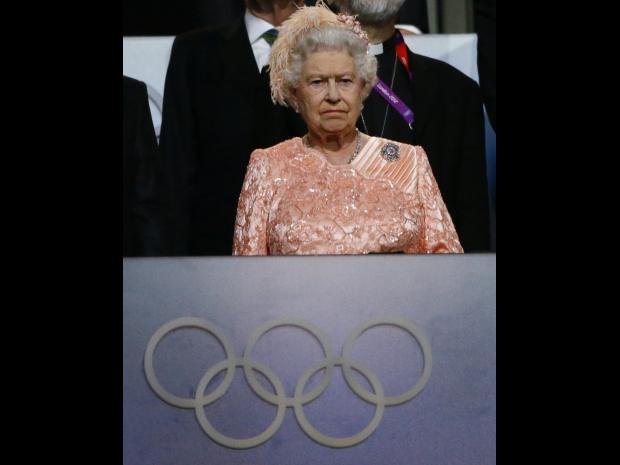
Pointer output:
x,y
294,201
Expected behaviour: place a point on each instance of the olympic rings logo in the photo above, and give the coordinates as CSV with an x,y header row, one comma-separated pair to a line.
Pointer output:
x,y
279,399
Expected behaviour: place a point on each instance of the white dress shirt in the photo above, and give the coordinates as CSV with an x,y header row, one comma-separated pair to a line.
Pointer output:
x,y
256,27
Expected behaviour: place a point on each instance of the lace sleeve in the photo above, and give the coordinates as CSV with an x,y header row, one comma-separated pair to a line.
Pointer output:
x,y
250,237
438,233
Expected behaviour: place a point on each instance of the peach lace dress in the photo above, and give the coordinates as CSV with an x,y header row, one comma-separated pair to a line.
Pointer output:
x,y
294,201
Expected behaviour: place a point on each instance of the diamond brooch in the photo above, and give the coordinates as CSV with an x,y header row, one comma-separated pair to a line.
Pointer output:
x,y
390,151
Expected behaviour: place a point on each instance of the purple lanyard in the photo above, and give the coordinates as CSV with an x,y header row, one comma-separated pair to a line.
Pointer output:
x,y
390,96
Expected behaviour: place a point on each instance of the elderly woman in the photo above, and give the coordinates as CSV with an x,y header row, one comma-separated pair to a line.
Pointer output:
x,y
336,190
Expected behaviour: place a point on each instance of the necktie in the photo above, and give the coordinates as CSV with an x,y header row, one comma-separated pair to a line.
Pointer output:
x,y
270,36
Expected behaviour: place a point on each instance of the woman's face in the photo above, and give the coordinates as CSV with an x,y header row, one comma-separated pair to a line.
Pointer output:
x,y
329,95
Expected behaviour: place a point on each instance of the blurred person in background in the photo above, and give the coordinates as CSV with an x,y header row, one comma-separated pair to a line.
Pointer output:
x,y
217,109
143,188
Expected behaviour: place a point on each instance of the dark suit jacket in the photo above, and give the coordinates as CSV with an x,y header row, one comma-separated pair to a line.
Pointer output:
x,y
217,110
449,125
142,177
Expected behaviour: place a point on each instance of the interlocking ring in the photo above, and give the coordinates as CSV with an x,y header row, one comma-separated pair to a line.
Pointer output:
x,y
328,440
233,442
309,327
189,322
411,329
279,399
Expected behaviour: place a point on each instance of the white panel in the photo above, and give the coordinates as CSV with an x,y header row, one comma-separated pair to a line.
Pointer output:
x,y
459,50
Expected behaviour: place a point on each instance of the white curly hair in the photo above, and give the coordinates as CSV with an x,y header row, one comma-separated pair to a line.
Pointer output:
x,y
313,29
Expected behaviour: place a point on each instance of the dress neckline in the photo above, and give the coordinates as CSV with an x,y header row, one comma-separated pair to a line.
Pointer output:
x,y
322,156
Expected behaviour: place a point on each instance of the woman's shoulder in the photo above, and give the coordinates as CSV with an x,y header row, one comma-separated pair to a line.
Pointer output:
x,y
392,160
395,151
282,150
279,153
402,144
277,158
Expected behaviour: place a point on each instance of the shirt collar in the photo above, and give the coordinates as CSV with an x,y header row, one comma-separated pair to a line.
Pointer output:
x,y
381,47
255,26
375,49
